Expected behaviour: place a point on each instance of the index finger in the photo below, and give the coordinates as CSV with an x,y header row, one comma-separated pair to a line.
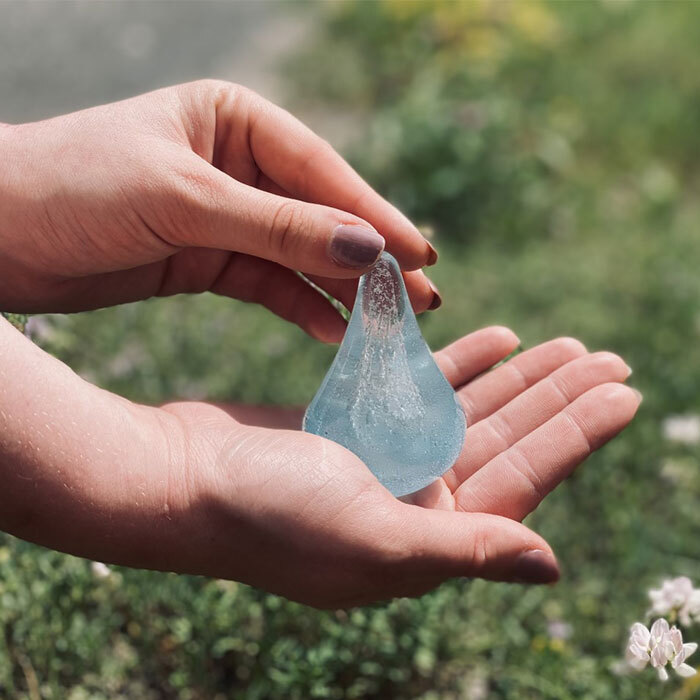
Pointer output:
x,y
306,166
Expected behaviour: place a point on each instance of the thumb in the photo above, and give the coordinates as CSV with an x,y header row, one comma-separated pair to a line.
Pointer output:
x,y
444,544
315,239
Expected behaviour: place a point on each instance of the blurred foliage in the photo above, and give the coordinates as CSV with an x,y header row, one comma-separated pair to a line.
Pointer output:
x,y
553,148
17,320
503,119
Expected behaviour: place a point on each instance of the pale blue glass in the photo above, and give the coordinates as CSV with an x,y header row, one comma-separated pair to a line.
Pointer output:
x,y
384,398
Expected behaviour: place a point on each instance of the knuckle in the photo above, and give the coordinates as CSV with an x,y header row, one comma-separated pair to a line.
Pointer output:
x,y
479,550
192,201
563,385
502,429
221,94
287,220
213,86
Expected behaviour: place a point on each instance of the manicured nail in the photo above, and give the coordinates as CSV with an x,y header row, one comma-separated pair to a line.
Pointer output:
x,y
355,246
436,303
638,394
536,566
432,254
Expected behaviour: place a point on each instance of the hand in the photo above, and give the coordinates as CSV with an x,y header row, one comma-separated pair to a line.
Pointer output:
x,y
188,488
531,421
204,186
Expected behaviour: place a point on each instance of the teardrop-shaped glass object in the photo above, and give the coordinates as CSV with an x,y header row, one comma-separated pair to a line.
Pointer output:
x,y
384,398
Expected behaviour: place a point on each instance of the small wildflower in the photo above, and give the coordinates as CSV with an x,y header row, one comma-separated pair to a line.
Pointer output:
x,y
638,647
676,598
659,646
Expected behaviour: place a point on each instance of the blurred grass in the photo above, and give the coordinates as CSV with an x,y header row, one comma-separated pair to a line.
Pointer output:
x,y
553,147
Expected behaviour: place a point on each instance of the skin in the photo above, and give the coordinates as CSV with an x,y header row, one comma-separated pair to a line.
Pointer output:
x,y
204,186
194,188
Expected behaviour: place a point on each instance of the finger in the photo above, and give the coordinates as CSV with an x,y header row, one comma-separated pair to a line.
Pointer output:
x,y
513,483
436,495
473,354
307,167
535,406
283,292
264,183
487,394
440,544
421,291
213,210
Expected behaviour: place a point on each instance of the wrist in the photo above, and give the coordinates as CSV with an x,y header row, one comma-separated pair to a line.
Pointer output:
x,y
97,482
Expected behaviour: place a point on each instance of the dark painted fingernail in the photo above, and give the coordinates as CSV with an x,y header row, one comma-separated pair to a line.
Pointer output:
x,y
536,566
436,303
432,254
355,246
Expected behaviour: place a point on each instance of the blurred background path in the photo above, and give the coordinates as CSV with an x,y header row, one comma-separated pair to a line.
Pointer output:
x,y
57,57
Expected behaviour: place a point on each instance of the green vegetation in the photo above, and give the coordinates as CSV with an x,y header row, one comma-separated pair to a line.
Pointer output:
x,y
553,148
17,320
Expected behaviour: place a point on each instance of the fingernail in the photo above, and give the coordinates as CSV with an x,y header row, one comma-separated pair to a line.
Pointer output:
x,y
638,394
432,254
355,246
536,566
629,370
436,303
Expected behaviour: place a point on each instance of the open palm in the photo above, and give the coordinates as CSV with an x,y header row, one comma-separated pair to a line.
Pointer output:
x,y
236,493
323,529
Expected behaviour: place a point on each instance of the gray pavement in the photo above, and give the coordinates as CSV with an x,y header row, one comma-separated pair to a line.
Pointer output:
x,y
56,57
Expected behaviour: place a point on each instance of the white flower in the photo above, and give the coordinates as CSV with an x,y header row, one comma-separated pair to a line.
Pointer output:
x,y
659,646
638,647
676,596
684,429
100,570
680,653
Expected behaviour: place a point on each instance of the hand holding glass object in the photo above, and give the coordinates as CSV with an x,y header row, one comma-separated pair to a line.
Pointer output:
x,y
384,397
208,187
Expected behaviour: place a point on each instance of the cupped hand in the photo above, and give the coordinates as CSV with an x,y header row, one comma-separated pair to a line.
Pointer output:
x,y
532,420
196,488
203,186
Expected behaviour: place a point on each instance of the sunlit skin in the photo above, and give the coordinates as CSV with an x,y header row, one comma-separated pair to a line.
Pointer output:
x,y
233,491
191,188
